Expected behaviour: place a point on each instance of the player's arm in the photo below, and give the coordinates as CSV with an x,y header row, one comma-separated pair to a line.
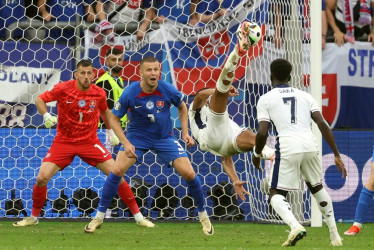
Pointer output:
x,y
201,98
114,123
329,137
261,136
105,114
49,120
183,118
229,168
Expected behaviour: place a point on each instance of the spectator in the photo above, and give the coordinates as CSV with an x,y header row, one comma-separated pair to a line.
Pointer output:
x,y
113,84
176,10
281,11
11,11
62,10
324,24
111,12
209,10
355,24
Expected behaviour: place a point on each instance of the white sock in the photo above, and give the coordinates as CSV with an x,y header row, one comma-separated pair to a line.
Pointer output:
x,y
283,209
357,224
230,66
202,214
100,215
322,197
34,218
138,217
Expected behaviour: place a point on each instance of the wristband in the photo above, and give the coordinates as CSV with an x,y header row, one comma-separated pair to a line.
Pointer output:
x,y
255,154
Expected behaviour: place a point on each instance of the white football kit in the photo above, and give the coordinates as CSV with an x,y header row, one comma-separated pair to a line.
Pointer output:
x,y
290,109
215,132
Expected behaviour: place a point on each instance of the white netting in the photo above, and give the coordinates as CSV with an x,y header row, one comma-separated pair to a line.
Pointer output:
x,y
35,55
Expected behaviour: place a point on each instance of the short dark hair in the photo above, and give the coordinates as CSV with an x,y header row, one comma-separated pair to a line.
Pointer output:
x,y
84,63
281,69
148,59
113,51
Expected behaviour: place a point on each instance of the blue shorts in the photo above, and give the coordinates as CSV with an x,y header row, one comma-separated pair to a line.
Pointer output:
x,y
167,149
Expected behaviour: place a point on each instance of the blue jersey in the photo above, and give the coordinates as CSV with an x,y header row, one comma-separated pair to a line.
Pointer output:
x,y
148,113
177,10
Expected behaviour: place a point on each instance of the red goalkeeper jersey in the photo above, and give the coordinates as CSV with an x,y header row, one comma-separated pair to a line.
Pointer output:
x,y
78,111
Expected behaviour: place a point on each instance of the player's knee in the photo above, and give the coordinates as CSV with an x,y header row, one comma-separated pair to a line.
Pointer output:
x,y
42,181
189,176
314,189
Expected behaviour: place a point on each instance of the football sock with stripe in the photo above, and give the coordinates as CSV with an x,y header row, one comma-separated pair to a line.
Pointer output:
x,y
39,196
366,197
196,191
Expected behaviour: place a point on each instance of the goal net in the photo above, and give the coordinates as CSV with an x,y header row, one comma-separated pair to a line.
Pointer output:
x,y
33,59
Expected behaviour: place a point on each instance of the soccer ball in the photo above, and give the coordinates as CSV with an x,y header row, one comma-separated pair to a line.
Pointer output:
x,y
249,33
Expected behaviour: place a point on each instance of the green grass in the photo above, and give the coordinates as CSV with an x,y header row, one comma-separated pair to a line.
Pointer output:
x,y
168,235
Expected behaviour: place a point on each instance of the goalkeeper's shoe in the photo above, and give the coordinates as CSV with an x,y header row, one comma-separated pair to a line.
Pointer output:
x,y
208,228
28,221
294,237
353,230
337,242
93,225
243,33
145,223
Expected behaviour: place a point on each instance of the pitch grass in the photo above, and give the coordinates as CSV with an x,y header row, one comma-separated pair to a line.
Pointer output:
x,y
169,235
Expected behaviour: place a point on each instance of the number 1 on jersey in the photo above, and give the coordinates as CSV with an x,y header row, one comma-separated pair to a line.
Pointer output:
x,y
80,116
292,101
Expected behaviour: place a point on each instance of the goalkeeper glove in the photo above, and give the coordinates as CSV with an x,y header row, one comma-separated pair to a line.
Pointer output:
x,y
113,138
49,120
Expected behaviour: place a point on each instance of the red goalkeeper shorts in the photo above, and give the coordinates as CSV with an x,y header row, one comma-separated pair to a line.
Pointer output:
x,y
63,154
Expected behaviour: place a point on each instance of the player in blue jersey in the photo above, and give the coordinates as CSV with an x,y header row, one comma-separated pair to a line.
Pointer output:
x,y
147,104
364,202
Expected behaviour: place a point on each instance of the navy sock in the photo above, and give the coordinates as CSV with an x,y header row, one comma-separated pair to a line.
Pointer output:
x,y
196,191
109,191
366,197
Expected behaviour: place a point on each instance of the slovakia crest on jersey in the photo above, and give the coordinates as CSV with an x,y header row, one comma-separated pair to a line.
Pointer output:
x,y
92,105
82,103
214,48
329,98
160,104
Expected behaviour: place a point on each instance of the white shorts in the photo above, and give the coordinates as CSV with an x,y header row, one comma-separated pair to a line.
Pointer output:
x,y
221,133
287,170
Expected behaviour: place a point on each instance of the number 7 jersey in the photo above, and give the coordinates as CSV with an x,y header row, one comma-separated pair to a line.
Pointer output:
x,y
78,111
289,109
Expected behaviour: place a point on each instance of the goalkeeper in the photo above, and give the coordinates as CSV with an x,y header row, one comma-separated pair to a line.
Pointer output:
x,y
210,123
79,105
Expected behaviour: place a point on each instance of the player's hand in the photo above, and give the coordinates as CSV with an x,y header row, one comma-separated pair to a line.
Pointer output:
x,y
256,161
47,16
240,190
340,38
113,138
49,120
233,91
340,165
130,150
189,140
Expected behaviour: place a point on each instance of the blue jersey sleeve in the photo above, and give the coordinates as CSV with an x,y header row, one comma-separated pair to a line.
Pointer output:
x,y
176,97
121,106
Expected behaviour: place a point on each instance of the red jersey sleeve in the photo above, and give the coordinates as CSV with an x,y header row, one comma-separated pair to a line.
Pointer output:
x,y
53,94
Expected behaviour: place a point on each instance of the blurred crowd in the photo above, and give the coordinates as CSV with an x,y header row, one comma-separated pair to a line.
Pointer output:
x,y
342,20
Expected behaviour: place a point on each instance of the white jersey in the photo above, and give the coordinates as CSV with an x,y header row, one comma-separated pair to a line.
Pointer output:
x,y
289,109
215,132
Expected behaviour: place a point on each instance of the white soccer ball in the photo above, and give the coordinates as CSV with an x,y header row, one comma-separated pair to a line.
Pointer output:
x,y
251,31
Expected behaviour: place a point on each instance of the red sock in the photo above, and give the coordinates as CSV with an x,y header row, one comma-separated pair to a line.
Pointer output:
x,y
39,195
127,196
